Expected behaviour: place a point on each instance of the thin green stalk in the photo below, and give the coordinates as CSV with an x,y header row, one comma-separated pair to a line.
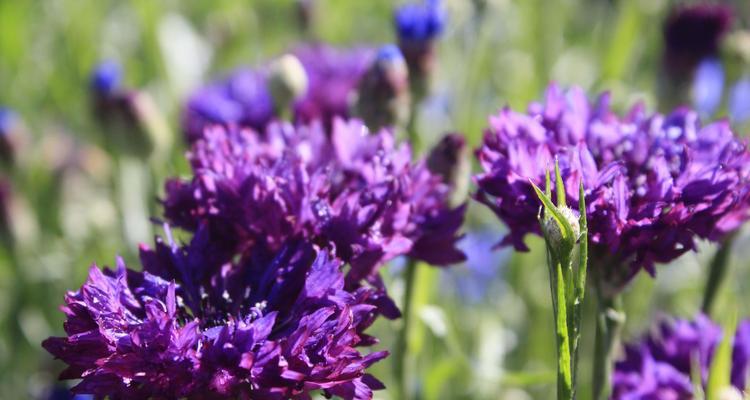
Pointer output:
x,y
717,273
401,348
580,285
609,321
564,373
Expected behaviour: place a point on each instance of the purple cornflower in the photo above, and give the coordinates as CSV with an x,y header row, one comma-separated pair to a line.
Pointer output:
x,y
355,192
653,183
694,32
333,76
188,326
662,364
244,99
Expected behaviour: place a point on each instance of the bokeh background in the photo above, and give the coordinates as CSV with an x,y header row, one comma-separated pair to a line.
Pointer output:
x,y
483,330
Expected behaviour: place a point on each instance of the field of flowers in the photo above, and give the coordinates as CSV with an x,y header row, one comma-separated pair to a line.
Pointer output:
x,y
417,199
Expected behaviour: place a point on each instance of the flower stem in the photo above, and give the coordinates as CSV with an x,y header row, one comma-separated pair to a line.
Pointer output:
x,y
401,348
609,321
717,273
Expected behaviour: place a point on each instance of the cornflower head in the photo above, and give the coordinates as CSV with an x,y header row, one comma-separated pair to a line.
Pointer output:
x,y
667,362
255,97
418,25
693,33
653,183
190,326
352,191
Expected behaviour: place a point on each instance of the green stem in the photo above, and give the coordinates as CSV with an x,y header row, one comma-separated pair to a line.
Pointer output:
x,y
609,321
401,349
564,374
717,273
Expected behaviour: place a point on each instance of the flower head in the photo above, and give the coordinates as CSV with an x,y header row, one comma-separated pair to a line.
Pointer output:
x,y
106,77
661,365
351,191
420,21
418,25
242,99
653,183
333,76
694,32
246,97
190,327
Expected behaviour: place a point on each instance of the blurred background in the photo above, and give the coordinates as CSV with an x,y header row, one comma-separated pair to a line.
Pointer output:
x,y
484,330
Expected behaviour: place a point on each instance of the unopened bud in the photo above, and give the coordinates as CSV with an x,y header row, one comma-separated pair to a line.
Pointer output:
x,y
418,26
287,81
450,159
383,93
730,393
106,78
12,137
131,121
553,231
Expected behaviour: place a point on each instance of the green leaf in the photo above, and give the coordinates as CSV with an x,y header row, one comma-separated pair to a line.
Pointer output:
x,y
721,366
559,186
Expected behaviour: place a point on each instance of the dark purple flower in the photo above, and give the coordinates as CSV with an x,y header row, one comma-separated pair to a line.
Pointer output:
x,y
333,76
352,191
263,327
694,32
242,99
653,183
660,366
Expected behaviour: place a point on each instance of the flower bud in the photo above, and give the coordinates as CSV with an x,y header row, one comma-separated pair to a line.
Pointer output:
x,y
131,120
383,93
553,232
106,78
12,137
417,26
450,159
287,81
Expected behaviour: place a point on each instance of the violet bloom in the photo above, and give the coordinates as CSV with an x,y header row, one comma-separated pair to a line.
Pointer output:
x,y
242,99
189,327
333,75
660,366
352,191
654,183
692,33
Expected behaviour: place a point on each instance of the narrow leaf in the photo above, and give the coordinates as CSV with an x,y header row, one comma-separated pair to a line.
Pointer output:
x,y
559,186
721,366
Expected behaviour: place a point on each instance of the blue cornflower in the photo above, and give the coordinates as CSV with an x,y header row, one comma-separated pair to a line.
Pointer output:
x,y
106,77
420,21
